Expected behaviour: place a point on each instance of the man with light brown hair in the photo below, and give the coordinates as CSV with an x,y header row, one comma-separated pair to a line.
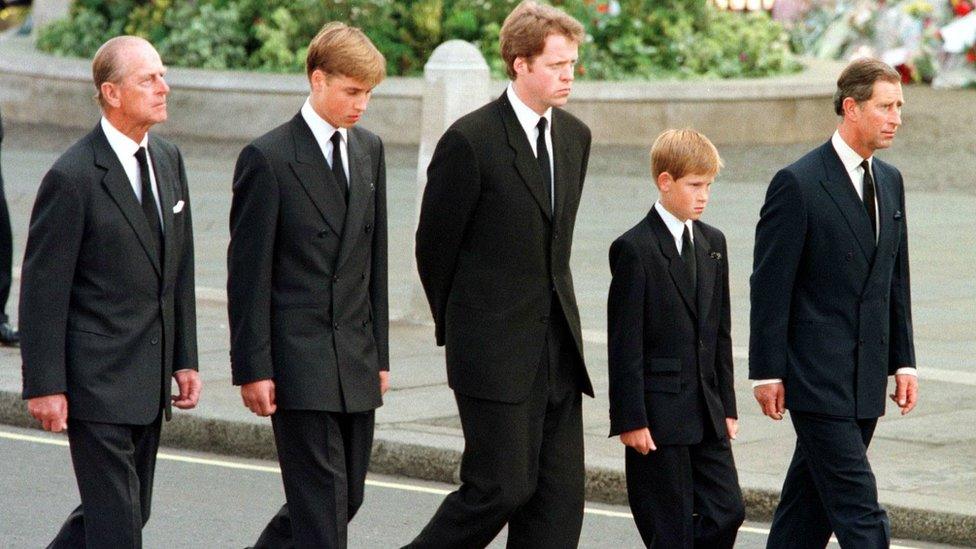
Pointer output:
x,y
107,306
493,248
307,290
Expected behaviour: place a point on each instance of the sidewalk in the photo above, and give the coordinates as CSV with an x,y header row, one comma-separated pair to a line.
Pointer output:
x,y
925,463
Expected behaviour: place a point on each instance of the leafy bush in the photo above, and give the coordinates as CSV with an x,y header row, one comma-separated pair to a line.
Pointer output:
x,y
640,39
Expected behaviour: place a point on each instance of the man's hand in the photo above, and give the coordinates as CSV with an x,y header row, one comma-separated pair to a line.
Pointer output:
x,y
906,392
732,427
51,411
189,384
259,397
772,399
384,381
639,439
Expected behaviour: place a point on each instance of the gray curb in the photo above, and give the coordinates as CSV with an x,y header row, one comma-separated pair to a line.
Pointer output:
x,y
418,461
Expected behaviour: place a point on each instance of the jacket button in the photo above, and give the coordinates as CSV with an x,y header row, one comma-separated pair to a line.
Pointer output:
x,y
335,278
365,322
369,227
154,341
335,325
323,233
850,256
363,276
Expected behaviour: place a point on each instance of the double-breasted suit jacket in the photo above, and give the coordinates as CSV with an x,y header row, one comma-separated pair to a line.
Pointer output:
x,y
104,317
667,345
307,285
831,307
492,253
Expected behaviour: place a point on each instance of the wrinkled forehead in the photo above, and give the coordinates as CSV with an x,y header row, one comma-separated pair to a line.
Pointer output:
x,y
140,58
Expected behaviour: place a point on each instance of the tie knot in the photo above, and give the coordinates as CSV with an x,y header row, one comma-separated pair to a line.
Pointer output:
x,y
542,124
865,166
141,154
336,138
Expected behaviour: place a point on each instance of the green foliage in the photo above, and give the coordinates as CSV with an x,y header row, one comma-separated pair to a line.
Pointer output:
x,y
626,39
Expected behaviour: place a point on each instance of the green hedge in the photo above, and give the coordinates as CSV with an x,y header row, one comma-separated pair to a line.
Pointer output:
x,y
635,39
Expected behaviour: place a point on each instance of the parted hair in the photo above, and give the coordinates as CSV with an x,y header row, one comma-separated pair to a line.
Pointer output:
x,y
339,49
106,65
858,78
525,30
683,152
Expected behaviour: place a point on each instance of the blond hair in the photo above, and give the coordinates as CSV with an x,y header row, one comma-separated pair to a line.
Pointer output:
x,y
107,65
683,152
339,49
525,30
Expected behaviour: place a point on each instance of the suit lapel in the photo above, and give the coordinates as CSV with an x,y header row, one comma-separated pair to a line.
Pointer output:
x,y
117,184
884,194
706,272
313,173
838,185
361,188
165,179
676,267
525,162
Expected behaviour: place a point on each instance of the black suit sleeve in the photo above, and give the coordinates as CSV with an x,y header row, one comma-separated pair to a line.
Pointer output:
x,y
185,342
780,235
378,283
625,331
723,352
53,244
452,190
902,348
253,221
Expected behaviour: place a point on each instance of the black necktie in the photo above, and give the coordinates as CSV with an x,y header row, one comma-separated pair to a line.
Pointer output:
x,y
688,256
542,155
869,194
149,202
337,171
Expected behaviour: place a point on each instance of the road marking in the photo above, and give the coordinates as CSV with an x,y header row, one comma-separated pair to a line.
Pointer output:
x,y
51,440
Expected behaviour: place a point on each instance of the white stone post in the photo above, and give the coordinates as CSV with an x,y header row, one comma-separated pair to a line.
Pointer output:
x,y
456,82
46,11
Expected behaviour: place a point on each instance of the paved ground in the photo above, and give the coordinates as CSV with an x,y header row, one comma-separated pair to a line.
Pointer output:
x,y
206,500
925,462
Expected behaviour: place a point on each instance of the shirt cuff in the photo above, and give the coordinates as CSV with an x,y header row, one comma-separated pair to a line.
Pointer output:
x,y
758,382
907,370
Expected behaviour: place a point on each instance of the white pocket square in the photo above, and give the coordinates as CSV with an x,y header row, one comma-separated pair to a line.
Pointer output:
x,y
178,207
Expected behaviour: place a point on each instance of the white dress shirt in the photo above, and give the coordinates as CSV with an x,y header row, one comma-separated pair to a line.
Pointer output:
x,y
322,131
852,163
529,119
125,148
675,226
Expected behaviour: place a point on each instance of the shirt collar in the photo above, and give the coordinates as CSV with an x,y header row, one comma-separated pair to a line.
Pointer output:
x,y
527,117
675,226
848,156
122,144
321,129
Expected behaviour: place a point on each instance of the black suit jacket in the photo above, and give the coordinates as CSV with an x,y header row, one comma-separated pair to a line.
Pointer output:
x,y
831,309
100,318
667,344
491,253
307,274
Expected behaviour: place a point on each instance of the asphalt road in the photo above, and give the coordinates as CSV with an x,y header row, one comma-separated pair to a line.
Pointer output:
x,y
210,501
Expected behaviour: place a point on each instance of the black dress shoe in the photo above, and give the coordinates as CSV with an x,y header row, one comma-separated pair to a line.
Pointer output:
x,y
9,336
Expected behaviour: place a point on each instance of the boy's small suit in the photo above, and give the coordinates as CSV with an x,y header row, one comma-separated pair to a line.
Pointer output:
x,y
670,361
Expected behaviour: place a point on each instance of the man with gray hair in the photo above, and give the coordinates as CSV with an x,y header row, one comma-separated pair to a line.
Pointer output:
x,y
107,308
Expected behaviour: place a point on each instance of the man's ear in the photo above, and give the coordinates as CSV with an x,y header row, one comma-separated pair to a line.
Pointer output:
x,y
520,65
317,80
111,94
850,107
664,182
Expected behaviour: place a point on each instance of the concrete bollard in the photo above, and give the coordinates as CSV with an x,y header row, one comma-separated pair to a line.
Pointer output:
x,y
456,82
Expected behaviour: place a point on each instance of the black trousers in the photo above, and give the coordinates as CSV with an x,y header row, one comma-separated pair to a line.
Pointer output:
x,y
6,242
830,487
324,457
686,496
114,466
522,463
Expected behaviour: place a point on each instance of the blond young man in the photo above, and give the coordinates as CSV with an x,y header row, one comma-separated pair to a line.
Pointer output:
x,y
493,248
307,290
107,310
672,400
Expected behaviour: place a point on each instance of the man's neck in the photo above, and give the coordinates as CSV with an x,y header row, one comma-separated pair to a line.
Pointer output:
x,y
135,132
536,106
850,136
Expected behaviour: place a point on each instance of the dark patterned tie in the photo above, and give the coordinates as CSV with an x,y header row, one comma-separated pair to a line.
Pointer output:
x,y
688,256
337,171
542,155
869,194
149,202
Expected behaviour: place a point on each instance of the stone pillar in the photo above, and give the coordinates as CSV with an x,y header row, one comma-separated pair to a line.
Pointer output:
x,y
46,11
456,82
